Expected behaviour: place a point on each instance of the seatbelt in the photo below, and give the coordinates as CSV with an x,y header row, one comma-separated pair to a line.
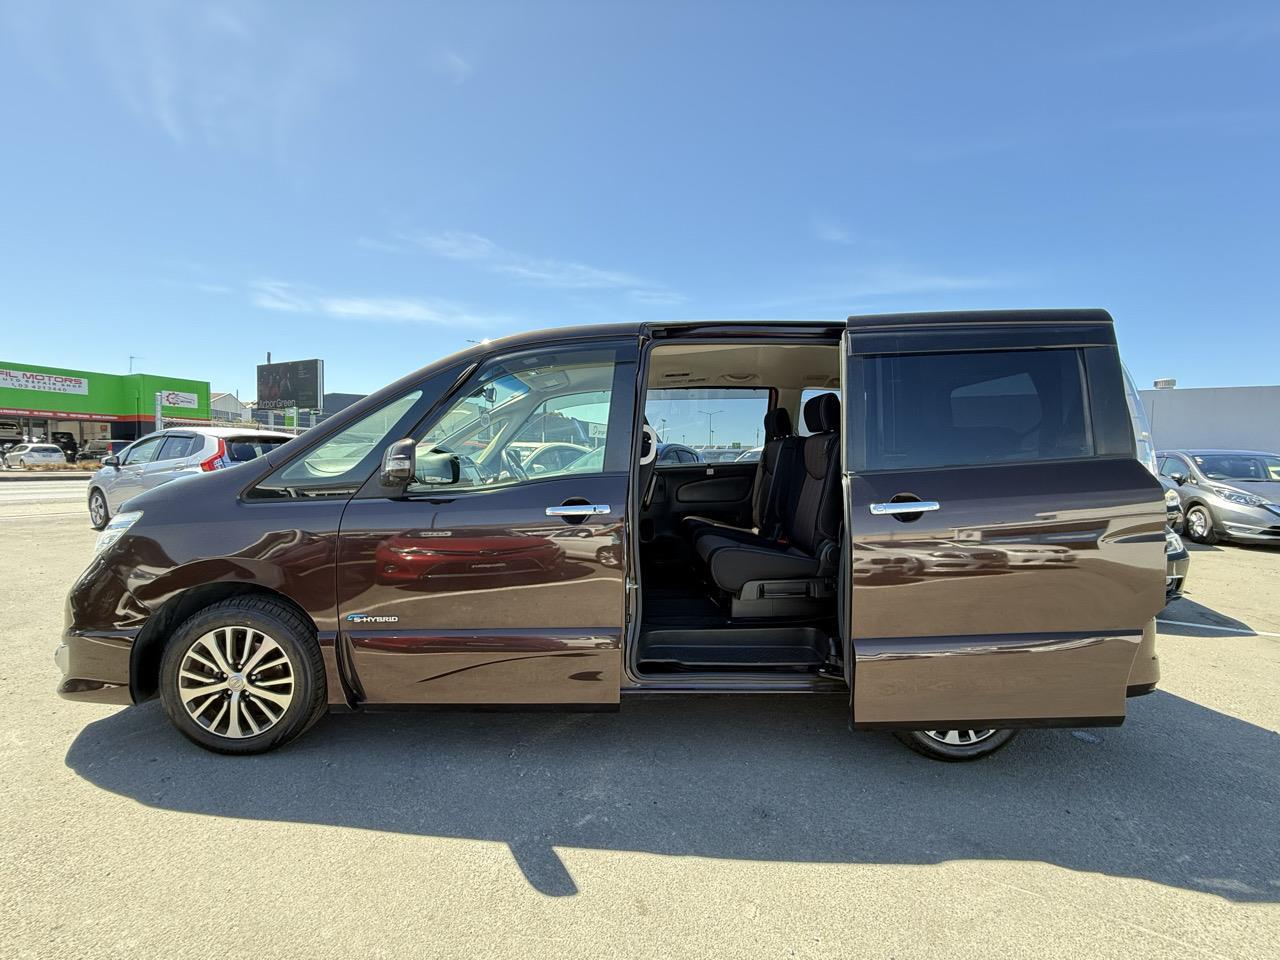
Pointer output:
x,y
771,497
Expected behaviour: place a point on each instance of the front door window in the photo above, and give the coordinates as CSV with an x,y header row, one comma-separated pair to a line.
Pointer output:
x,y
531,417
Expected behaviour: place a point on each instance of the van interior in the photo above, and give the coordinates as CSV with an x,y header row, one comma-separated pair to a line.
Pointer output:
x,y
738,551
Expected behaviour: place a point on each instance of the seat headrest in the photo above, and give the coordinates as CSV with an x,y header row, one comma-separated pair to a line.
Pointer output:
x,y
822,413
777,424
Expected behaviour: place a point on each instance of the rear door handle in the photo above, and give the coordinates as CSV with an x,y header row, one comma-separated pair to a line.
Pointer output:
x,y
908,506
578,510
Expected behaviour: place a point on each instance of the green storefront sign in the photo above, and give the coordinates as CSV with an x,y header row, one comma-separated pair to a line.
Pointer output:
x,y
53,393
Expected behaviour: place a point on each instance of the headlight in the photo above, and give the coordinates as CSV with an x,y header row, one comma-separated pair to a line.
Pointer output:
x,y
1234,496
116,529
1172,542
1171,500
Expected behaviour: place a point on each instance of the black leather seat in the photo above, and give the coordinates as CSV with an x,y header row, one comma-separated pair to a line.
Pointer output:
x,y
779,461
810,515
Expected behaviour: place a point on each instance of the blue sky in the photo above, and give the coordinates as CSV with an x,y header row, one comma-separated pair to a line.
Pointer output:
x,y
375,184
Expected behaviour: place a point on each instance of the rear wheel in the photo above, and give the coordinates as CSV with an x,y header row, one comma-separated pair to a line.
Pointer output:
x,y
98,512
956,745
1199,524
243,676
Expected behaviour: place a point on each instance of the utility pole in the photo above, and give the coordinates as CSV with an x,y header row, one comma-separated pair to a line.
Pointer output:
x,y
133,358
709,414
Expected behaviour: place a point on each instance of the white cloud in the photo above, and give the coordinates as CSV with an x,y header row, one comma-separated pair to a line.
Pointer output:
x,y
454,67
830,232
454,245
285,297
539,271
874,283
224,75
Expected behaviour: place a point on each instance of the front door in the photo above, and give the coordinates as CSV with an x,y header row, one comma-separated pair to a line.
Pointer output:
x,y
1006,547
497,575
127,480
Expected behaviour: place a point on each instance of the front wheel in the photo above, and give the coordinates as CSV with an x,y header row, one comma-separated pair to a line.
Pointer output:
x,y
243,676
956,745
1199,524
98,512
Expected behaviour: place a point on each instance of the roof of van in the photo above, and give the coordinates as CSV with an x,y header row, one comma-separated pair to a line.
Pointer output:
x,y
637,327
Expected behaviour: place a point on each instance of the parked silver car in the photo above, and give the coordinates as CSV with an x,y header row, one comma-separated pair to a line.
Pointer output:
x,y
1226,494
23,455
168,454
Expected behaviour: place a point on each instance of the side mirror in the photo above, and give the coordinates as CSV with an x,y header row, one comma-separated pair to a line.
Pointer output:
x,y
397,463
111,461
439,468
1178,478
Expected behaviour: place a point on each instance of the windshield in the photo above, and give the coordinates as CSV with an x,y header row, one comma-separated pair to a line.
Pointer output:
x,y
1143,442
1238,466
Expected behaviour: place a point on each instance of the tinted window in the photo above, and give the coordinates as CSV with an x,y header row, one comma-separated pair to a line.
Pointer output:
x,y
955,409
179,448
494,434
720,422
242,449
144,451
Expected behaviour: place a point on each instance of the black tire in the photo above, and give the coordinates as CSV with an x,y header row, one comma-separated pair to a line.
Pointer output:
x,y
295,637
935,749
100,519
1203,520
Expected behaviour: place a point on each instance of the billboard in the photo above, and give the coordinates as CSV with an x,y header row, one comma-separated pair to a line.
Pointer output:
x,y
297,383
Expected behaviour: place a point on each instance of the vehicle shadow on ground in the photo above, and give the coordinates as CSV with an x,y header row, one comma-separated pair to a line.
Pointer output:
x,y
1181,795
1183,618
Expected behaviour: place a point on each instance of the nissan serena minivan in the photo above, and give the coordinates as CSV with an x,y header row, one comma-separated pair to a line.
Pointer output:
x,y
947,526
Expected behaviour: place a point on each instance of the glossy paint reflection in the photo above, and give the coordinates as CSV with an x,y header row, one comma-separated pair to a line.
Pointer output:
x,y
963,613
437,596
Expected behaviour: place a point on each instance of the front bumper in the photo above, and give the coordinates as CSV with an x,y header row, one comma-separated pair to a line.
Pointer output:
x,y
1252,524
95,669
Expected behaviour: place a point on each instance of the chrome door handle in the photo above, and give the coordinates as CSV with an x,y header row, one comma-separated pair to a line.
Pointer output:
x,y
906,506
578,510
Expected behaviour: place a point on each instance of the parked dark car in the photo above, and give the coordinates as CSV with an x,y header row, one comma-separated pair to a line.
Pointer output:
x,y
1226,494
100,449
677,453
252,599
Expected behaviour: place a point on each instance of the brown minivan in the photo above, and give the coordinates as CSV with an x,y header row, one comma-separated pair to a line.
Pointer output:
x,y
946,524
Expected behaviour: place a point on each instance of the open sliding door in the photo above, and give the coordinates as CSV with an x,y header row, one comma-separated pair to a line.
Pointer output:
x,y
1007,549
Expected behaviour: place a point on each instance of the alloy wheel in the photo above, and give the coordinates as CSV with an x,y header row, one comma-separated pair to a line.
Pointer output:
x,y
1198,523
236,682
97,510
958,738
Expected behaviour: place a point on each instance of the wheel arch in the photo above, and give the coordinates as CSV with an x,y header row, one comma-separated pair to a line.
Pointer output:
x,y
148,647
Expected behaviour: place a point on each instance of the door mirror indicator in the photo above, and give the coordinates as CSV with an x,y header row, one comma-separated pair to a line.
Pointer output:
x,y
397,463
111,461
439,468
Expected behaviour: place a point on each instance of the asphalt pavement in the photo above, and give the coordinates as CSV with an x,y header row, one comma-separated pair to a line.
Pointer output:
x,y
681,827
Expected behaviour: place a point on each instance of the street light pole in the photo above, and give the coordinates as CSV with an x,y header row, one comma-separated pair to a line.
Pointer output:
x,y
709,415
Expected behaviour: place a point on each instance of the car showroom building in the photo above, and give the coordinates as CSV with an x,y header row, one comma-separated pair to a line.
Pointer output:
x,y
37,402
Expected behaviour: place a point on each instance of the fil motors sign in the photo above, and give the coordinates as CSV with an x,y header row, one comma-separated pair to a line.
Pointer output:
x,y
44,382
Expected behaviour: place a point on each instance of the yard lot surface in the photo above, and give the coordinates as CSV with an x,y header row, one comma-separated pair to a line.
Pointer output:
x,y
675,828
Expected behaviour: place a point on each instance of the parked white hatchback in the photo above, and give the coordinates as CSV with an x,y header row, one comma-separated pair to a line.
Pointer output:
x,y
168,454
25,455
